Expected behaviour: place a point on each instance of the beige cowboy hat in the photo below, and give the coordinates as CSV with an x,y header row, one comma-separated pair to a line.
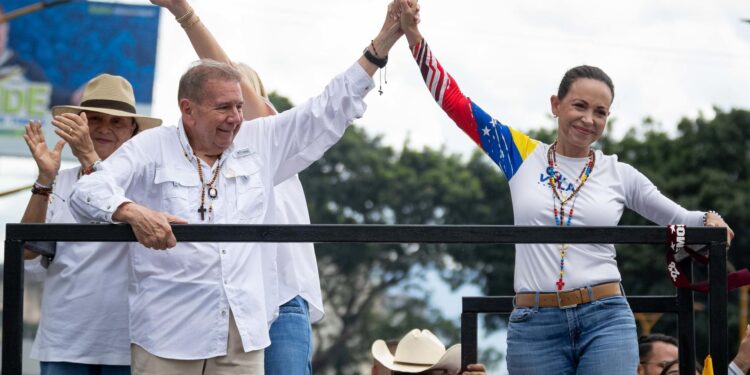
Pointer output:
x,y
112,95
418,351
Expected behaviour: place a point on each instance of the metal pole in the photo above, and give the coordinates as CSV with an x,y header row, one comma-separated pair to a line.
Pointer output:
x,y
686,324
717,298
13,308
468,339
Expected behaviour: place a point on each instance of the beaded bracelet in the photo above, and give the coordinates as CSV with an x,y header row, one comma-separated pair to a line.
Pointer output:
x,y
705,216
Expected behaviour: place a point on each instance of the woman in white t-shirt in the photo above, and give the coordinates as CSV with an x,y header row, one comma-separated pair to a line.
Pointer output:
x,y
571,315
84,322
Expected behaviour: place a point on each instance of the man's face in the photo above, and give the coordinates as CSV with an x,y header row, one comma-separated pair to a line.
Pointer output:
x,y
212,123
661,354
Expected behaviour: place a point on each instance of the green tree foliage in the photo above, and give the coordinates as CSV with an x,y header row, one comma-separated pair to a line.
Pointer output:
x,y
375,291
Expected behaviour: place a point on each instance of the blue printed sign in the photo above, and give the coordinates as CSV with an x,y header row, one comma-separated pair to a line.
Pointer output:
x,y
46,58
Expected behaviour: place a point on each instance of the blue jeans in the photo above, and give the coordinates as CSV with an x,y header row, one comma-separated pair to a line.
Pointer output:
x,y
67,368
594,338
291,347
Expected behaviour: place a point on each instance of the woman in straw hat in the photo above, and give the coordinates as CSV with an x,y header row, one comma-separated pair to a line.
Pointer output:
x,y
419,352
84,323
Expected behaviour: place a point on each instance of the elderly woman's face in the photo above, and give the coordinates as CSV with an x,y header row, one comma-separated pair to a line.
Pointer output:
x,y
108,132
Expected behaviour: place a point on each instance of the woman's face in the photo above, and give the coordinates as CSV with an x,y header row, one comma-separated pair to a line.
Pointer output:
x,y
582,115
108,133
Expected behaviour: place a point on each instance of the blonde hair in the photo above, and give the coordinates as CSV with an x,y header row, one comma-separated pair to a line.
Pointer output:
x,y
253,77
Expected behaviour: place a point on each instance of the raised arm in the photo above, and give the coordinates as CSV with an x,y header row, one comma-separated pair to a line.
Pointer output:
x,y
507,147
48,163
296,138
207,47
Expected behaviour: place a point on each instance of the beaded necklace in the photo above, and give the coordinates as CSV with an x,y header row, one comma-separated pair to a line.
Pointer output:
x,y
559,195
212,192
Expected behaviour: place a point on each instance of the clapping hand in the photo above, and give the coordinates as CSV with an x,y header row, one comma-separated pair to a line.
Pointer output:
x,y
48,161
74,129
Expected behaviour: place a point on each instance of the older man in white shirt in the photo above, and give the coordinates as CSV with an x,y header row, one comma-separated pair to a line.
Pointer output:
x,y
201,307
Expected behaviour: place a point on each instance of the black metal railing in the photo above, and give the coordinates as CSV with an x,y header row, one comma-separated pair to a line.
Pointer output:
x,y
17,234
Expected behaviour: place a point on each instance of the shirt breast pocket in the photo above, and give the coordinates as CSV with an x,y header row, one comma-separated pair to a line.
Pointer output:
x,y
174,188
249,191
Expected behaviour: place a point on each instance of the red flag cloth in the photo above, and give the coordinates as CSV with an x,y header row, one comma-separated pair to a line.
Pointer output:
x,y
676,239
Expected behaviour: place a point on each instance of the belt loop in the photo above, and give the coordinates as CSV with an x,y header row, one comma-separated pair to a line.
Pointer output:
x,y
592,298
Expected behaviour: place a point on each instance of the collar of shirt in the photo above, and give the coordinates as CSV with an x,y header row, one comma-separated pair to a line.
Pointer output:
x,y
187,150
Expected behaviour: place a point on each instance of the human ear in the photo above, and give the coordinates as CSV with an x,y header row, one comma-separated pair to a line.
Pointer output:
x,y
554,102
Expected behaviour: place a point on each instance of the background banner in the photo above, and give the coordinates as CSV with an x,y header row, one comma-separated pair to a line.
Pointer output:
x,y
47,56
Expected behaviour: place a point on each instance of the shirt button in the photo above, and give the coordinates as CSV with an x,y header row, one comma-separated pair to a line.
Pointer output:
x,y
223,312
223,251
225,281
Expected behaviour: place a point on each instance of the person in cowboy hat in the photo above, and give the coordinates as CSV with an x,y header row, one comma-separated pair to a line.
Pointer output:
x,y
419,352
84,320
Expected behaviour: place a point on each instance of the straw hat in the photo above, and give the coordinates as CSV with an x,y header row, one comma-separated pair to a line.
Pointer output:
x,y
418,351
112,95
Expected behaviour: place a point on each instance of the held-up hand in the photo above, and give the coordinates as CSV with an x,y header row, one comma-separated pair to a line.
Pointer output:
x,y
391,26
151,228
715,220
409,19
178,8
48,161
74,129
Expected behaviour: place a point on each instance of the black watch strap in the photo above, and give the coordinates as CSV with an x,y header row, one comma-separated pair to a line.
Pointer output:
x,y
380,63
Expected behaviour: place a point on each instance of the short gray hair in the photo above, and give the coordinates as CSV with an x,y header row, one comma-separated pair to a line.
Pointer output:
x,y
200,72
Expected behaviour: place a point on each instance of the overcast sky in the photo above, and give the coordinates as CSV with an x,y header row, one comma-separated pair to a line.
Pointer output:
x,y
668,59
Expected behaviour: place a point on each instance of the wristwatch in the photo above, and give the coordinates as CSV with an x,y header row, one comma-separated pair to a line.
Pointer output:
x,y
91,168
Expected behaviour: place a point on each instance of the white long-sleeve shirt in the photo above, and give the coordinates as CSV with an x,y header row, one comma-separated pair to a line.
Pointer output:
x,y
180,298
85,296
611,187
296,262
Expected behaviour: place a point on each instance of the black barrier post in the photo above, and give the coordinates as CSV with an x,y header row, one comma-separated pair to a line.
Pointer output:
x,y
686,324
13,307
717,300
469,339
